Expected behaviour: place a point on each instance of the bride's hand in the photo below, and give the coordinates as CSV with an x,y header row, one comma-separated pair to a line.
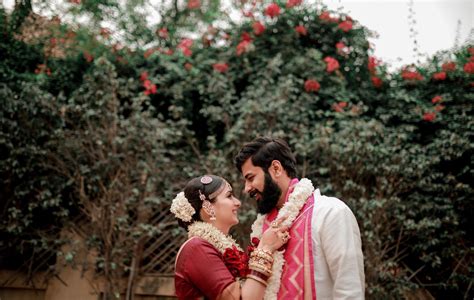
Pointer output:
x,y
274,237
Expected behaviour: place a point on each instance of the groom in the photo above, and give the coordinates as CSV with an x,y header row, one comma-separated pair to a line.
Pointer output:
x,y
323,258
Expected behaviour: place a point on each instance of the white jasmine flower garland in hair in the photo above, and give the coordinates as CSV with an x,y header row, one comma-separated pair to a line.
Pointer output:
x,y
291,209
181,208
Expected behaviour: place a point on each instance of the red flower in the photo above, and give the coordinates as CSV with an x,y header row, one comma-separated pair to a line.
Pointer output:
x,y
372,64
301,30
220,67
243,46
326,16
192,4
144,76
439,76
436,99
471,50
184,46
331,64
188,66
255,241
148,52
337,107
272,10
345,25
236,261
340,45
258,28
185,43
469,67
245,37
429,116
163,33
89,58
342,48
311,85
342,104
449,66
376,81
439,108
292,3
411,75
150,90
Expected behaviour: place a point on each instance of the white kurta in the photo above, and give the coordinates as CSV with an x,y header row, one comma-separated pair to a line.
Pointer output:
x,y
337,251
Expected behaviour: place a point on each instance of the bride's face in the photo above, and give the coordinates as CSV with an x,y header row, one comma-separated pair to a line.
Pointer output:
x,y
226,207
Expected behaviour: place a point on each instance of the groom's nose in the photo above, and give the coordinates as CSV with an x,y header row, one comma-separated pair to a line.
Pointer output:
x,y
248,187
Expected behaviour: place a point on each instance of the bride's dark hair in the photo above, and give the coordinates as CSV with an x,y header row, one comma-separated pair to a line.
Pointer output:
x,y
191,192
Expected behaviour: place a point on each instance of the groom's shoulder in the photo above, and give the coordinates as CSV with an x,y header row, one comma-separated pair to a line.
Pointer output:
x,y
328,202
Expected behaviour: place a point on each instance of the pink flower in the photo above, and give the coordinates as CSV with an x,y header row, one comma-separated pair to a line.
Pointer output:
x,y
376,81
242,47
429,116
150,90
184,46
311,85
469,67
292,3
272,10
258,28
439,108
439,76
144,76
163,33
185,43
220,67
340,45
345,25
436,99
301,30
331,64
449,66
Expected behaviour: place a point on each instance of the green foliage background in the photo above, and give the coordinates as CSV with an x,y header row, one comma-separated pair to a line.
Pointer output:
x,y
84,141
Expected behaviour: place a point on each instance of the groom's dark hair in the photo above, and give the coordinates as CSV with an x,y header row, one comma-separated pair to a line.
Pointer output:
x,y
263,150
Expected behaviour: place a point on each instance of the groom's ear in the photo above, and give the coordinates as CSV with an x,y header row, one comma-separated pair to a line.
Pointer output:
x,y
275,169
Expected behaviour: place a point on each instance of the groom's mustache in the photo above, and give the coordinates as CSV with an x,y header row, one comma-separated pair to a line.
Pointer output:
x,y
254,193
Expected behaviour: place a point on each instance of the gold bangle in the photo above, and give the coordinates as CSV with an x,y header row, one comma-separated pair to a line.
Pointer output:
x,y
258,279
260,269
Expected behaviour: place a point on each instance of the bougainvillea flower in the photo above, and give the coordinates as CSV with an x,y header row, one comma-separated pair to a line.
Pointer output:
x,y
311,85
331,64
258,28
220,67
272,10
301,30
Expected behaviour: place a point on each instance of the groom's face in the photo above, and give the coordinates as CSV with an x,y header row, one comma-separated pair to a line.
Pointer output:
x,y
260,185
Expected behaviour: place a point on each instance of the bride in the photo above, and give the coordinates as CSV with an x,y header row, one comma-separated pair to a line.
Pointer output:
x,y
210,263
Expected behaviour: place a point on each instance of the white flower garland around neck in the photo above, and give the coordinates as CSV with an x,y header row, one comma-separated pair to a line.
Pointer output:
x,y
211,234
291,209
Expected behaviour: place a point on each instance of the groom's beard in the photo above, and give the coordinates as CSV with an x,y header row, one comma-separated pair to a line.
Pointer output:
x,y
270,195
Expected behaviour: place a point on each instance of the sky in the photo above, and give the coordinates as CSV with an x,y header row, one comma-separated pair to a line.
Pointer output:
x,y
440,25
